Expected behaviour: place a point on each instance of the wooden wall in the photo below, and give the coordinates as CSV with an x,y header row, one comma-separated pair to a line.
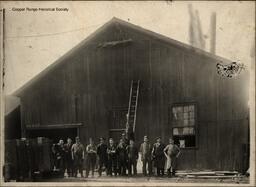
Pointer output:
x,y
88,84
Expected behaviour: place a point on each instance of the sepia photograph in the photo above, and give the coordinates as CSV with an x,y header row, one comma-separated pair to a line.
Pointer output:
x,y
127,93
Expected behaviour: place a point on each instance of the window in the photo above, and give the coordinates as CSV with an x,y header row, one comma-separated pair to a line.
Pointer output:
x,y
184,124
118,118
117,123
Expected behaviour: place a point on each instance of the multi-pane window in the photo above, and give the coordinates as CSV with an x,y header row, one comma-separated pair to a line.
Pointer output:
x,y
118,118
183,124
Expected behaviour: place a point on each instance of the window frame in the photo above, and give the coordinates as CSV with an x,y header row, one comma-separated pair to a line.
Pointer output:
x,y
113,110
171,106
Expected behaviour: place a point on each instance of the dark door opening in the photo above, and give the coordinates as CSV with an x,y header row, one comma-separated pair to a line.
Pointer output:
x,y
54,134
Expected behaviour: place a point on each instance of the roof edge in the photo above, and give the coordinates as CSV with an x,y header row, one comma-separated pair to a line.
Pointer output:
x,y
170,40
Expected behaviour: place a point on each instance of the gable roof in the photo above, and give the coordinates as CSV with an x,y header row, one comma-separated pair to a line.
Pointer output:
x,y
10,103
115,20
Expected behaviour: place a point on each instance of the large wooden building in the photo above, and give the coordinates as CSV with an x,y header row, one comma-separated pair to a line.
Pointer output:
x,y
86,93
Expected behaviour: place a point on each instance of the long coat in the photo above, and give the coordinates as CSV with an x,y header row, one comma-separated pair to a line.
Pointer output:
x,y
158,155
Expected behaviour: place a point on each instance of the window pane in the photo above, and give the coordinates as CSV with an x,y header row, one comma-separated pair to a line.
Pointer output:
x,y
185,122
192,122
191,130
175,131
174,116
180,131
186,130
191,108
182,143
180,123
191,115
185,115
180,116
186,109
180,109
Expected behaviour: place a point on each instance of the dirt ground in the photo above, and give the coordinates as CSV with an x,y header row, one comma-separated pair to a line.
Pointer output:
x,y
104,180
146,181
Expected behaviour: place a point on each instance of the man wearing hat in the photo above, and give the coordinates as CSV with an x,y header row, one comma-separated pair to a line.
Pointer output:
x,y
146,149
91,157
132,154
77,151
121,157
158,156
125,143
68,158
102,155
112,158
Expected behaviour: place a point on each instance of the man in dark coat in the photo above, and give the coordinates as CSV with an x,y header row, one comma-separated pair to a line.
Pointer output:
x,y
121,155
158,156
132,154
112,158
146,149
68,158
102,155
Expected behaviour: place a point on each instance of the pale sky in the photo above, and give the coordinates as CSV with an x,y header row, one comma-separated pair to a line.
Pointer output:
x,y
34,40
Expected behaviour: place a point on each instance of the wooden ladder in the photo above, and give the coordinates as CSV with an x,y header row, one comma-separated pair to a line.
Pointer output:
x,y
133,103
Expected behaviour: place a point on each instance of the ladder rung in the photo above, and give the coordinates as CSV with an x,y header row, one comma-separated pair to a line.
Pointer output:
x,y
134,91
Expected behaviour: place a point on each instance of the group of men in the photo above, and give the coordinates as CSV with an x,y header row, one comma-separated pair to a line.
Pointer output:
x,y
115,158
